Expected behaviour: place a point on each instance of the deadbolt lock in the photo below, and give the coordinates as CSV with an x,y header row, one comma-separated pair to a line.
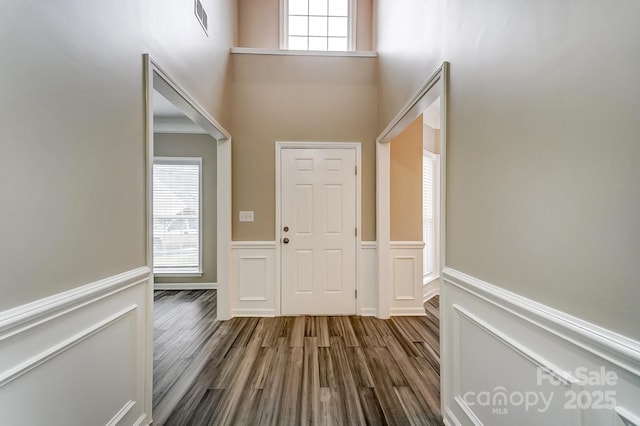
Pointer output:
x,y
286,229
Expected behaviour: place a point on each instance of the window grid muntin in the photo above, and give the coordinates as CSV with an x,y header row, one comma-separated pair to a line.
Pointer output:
x,y
347,38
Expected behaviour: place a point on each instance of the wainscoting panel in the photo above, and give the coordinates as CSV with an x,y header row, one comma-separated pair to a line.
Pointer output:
x,y
78,357
406,273
508,360
368,285
253,290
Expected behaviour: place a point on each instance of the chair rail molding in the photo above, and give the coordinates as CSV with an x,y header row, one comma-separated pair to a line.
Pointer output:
x,y
530,347
70,341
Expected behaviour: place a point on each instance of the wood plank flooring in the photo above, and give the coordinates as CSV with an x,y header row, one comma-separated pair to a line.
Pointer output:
x,y
184,326
298,370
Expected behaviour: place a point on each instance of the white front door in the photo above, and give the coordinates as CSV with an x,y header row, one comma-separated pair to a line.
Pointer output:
x,y
318,231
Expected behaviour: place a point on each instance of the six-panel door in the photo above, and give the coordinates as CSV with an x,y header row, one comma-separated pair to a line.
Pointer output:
x,y
318,207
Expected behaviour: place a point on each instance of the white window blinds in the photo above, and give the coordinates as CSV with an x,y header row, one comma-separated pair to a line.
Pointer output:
x,y
176,215
428,223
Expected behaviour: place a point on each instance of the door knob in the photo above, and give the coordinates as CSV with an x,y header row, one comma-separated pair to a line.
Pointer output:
x,y
285,240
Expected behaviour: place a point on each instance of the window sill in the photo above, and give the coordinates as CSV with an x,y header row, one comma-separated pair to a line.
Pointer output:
x,y
177,273
284,52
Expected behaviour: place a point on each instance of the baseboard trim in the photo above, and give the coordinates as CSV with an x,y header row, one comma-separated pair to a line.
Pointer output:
x,y
430,294
408,312
615,348
368,312
253,312
22,318
185,286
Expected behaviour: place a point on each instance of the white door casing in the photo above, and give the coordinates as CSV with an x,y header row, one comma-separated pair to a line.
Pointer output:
x,y
318,251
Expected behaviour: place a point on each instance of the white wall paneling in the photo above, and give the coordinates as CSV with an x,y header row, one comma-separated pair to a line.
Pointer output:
x,y
253,283
430,289
406,278
514,361
77,357
253,279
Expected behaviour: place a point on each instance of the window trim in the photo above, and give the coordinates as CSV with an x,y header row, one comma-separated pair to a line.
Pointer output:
x,y
435,273
182,271
351,30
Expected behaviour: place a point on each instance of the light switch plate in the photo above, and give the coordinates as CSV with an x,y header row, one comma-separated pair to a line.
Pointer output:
x,y
246,216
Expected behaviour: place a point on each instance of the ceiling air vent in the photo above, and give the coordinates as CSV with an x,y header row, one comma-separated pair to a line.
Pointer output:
x,y
201,14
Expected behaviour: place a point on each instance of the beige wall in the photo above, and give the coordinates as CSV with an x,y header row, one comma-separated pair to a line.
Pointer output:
x,y
72,155
535,202
296,98
406,184
204,146
259,24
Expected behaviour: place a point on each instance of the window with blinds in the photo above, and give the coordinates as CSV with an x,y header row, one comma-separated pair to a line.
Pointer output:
x,y
176,215
428,212
318,25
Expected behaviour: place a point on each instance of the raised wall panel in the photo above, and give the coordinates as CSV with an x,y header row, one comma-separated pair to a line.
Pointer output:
x,y
404,270
252,277
486,385
252,286
406,274
495,344
78,357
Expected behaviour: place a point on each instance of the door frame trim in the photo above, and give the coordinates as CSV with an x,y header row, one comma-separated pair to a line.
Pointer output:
x,y
410,111
357,147
156,78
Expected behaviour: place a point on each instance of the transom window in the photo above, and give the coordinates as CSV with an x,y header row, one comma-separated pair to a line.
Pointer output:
x,y
318,25
176,215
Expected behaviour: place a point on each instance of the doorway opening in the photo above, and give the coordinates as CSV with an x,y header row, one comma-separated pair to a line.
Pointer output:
x,y
188,219
429,103
429,107
431,127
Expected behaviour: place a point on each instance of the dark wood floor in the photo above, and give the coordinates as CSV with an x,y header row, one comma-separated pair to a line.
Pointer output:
x,y
296,370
